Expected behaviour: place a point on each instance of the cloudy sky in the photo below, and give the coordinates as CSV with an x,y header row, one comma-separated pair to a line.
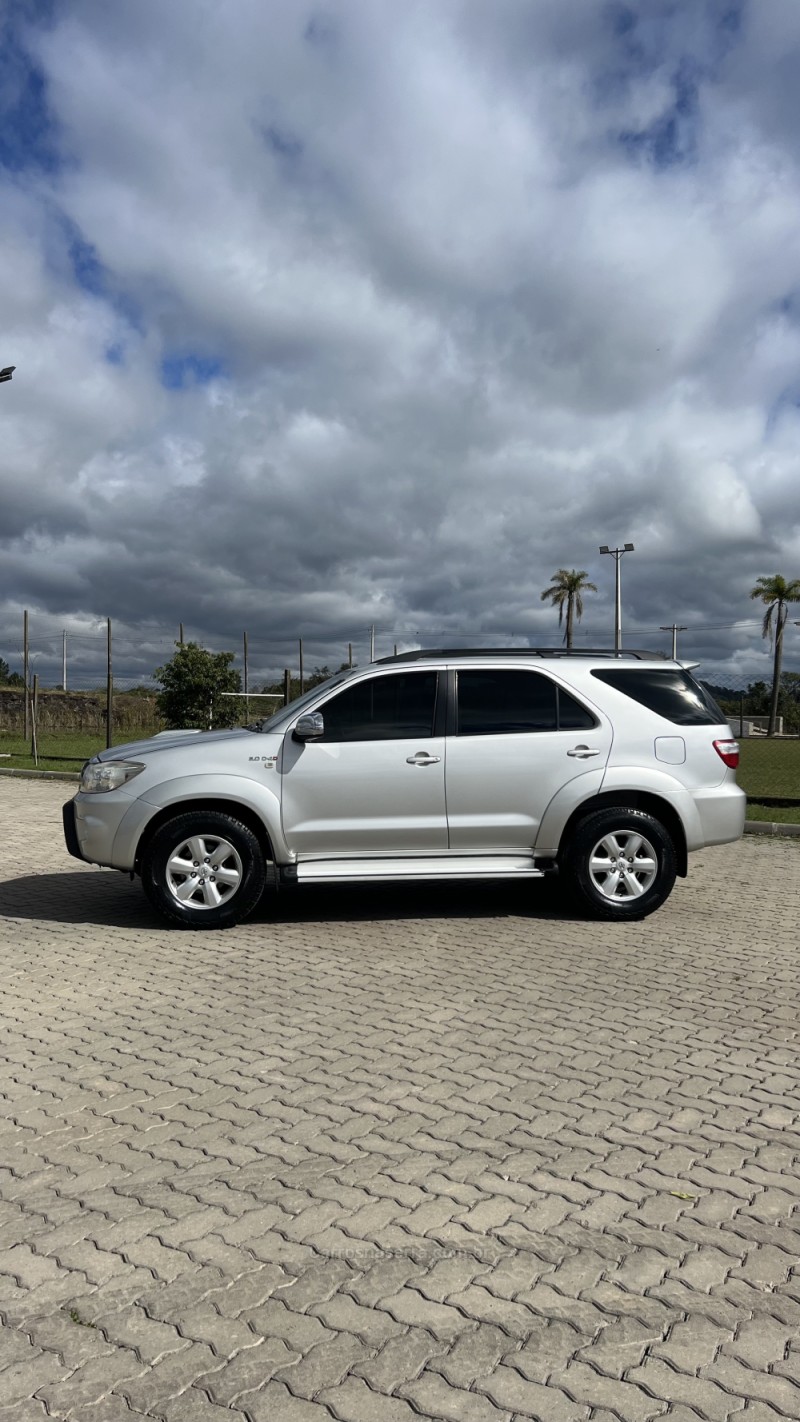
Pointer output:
x,y
350,313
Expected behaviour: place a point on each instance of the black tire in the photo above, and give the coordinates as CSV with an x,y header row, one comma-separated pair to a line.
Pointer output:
x,y
641,864
178,870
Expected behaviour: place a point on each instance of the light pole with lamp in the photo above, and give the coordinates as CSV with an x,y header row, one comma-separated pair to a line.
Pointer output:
x,y
616,554
7,372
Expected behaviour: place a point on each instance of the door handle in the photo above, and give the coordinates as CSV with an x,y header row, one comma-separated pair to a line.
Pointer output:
x,y
583,752
422,758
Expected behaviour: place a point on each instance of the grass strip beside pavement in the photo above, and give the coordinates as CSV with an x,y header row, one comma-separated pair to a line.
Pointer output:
x,y
775,814
65,750
769,767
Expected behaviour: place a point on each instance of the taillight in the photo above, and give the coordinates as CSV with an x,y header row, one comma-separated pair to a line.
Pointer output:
x,y
729,752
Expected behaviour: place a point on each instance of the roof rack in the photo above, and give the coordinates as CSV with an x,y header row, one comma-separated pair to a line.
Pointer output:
x,y
637,654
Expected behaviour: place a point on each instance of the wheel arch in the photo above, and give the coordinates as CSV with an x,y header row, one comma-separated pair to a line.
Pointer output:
x,y
649,804
243,813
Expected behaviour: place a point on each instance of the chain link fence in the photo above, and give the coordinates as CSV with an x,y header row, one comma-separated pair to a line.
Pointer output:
x,y
80,673
769,766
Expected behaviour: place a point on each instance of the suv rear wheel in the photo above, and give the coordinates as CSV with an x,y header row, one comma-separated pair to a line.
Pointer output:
x,y
204,869
619,864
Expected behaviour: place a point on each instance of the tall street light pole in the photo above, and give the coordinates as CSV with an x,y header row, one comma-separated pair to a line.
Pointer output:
x,y
616,554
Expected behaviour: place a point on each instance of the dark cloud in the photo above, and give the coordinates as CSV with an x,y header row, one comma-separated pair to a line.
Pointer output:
x,y
343,316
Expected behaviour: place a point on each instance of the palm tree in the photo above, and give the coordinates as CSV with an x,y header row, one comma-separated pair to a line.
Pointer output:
x,y
776,593
567,590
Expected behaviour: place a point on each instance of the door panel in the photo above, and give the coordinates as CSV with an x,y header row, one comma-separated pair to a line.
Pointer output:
x,y
374,782
519,738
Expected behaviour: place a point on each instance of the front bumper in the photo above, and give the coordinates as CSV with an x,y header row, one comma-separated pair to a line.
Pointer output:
x,y
71,831
91,823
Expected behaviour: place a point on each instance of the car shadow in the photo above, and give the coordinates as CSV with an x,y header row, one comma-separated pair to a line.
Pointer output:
x,y
111,899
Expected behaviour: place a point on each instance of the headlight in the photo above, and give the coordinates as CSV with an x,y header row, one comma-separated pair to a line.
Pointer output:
x,y
98,776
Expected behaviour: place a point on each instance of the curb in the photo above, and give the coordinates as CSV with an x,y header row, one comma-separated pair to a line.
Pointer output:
x,y
771,827
6,770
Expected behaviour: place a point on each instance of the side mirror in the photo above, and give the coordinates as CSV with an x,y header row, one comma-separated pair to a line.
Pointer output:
x,y
309,727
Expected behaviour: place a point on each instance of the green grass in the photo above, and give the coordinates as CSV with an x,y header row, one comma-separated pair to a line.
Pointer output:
x,y
770,767
65,750
777,814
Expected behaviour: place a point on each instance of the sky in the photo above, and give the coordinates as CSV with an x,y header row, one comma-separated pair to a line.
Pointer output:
x,y
330,316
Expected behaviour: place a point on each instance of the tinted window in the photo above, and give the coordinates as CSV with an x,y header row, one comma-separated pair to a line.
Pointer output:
x,y
385,708
671,693
571,715
284,714
496,703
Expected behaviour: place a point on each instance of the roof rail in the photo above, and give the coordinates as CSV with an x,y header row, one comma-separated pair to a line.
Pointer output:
x,y
638,654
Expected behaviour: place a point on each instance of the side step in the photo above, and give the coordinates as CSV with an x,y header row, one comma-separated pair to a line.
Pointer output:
x,y
459,866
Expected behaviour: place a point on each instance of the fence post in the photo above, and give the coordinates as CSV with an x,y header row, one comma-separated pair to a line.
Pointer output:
x,y
741,714
302,677
246,701
287,686
34,710
26,708
109,692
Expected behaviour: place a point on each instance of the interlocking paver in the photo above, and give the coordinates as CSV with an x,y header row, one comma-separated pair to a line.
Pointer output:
x,y
691,1345
325,1364
274,1401
90,1382
248,1369
22,1379
412,1308
167,1378
438,1152
433,1396
405,1355
779,1392
133,1328
27,1410
619,1347
759,1341
342,1313
624,1397
509,1390
352,1401
660,1381
299,1330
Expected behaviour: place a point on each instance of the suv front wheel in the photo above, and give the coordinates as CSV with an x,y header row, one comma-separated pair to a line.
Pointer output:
x,y
619,864
204,869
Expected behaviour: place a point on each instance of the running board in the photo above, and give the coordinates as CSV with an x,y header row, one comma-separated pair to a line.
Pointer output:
x,y
462,866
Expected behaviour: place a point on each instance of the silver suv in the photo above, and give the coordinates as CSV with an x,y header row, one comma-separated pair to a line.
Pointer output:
x,y
606,770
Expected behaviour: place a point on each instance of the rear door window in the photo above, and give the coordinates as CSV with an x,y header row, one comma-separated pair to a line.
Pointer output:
x,y
671,693
498,702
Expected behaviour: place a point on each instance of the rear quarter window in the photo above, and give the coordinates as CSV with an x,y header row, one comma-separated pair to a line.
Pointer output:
x,y
671,693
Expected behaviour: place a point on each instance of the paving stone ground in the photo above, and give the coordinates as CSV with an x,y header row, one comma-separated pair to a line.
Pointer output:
x,y
439,1153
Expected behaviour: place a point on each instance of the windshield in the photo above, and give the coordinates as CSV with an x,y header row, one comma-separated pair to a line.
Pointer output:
x,y
281,718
